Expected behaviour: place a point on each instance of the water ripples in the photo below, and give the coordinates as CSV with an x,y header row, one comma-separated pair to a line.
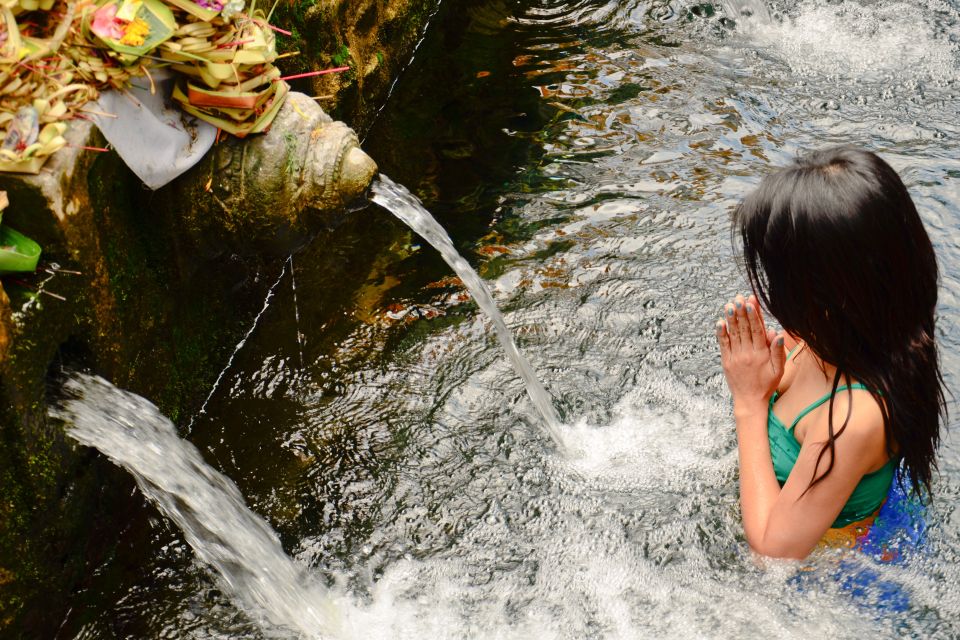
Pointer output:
x,y
418,477
649,151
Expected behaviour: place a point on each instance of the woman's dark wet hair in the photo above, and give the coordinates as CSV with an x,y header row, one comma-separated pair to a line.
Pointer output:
x,y
836,252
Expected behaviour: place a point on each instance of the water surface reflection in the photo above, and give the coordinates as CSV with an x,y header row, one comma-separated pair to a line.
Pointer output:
x,y
585,155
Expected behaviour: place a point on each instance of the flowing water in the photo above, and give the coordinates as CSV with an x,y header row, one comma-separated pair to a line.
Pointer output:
x,y
407,208
239,546
584,156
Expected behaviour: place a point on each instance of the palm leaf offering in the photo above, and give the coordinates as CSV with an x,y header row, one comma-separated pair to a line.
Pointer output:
x,y
239,121
10,41
228,77
56,55
132,27
206,10
32,5
17,251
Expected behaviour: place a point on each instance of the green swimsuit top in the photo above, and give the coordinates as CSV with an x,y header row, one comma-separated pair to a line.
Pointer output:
x,y
868,495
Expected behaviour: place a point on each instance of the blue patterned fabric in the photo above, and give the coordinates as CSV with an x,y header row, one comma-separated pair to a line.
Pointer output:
x,y
897,533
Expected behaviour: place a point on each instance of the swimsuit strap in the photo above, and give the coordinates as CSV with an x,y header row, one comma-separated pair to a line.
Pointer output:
x,y
776,392
819,402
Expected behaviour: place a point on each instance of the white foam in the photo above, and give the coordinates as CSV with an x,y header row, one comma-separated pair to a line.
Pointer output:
x,y
870,41
651,444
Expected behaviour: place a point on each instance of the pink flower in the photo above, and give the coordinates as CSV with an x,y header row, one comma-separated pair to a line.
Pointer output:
x,y
105,23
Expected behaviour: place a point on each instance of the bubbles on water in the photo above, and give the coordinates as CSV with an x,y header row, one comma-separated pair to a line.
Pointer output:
x,y
654,445
891,42
628,538
755,10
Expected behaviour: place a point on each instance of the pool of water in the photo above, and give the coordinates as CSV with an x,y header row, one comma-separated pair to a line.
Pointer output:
x,y
585,157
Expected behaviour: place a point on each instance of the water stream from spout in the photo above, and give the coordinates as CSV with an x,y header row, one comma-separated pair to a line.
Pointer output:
x,y
296,309
236,543
405,206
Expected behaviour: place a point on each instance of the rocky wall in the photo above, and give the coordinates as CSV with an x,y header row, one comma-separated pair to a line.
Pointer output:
x,y
375,38
120,299
152,290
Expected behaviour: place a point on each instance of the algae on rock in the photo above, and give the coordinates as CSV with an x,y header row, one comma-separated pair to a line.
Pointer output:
x,y
375,38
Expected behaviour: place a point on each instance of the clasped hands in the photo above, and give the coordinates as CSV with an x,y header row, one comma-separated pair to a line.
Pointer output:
x,y
753,355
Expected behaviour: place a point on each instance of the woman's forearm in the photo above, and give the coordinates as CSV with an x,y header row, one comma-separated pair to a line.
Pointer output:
x,y
753,360
759,488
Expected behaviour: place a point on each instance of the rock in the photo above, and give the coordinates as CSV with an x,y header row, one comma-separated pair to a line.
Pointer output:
x,y
375,38
265,191
302,162
166,283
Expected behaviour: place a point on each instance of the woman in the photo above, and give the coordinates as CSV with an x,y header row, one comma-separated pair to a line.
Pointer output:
x,y
827,409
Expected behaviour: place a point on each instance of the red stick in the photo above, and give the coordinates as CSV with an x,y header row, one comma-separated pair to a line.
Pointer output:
x,y
80,146
33,69
311,74
279,30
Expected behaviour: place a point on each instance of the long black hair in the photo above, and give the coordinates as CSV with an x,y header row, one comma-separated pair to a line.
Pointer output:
x,y
835,250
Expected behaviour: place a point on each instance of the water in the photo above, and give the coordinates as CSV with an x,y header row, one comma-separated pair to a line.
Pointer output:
x,y
239,546
584,156
296,309
754,10
398,201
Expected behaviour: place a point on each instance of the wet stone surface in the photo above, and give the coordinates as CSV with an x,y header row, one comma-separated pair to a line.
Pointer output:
x,y
584,156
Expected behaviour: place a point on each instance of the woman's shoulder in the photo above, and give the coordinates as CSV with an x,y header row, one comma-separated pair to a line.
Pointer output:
x,y
858,412
862,405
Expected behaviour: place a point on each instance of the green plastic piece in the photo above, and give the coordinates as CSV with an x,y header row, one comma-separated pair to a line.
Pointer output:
x,y
17,251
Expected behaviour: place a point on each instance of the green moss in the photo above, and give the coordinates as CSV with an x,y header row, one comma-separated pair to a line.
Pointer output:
x,y
293,162
27,482
293,16
342,56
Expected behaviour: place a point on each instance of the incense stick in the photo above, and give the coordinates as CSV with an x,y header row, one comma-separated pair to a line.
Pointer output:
x,y
311,74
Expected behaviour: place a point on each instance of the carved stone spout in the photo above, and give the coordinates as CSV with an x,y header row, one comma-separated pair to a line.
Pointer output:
x,y
267,188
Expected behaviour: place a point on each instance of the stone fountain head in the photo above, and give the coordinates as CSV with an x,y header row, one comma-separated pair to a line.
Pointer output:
x,y
276,187
319,158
